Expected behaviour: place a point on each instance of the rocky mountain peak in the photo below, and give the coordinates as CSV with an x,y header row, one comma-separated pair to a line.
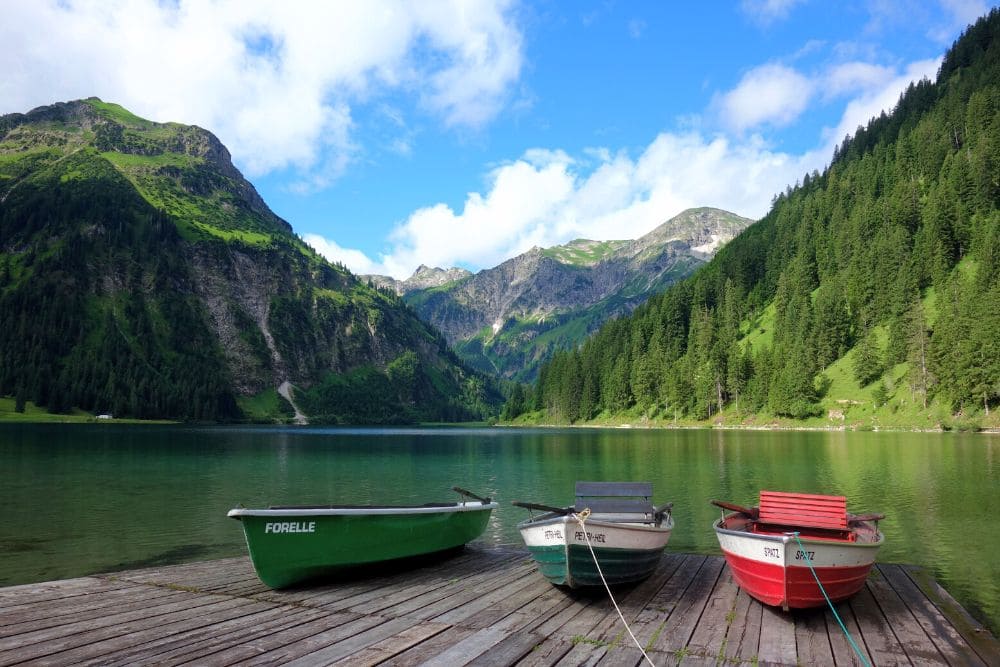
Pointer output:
x,y
510,317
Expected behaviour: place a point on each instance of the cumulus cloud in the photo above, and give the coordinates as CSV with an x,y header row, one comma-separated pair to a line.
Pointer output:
x,y
771,94
873,100
355,260
851,77
277,83
547,197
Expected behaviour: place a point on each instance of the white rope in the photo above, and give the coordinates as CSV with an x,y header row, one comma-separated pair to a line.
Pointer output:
x,y
580,518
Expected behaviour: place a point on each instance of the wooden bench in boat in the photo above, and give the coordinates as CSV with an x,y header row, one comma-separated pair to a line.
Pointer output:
x,y
803,510
626,499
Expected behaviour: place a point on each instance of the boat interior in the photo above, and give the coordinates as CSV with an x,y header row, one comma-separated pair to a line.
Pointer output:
x,y
813,516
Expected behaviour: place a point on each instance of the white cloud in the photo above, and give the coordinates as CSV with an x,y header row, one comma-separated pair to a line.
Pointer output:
x,y
548,197
771,94
277,83
962,13
851,77
353,259
874,100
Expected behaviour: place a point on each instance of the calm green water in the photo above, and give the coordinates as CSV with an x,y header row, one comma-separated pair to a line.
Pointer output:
x,y
81,499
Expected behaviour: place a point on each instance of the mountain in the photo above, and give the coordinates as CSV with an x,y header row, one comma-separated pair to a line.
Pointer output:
x,y
867,297
509,319
424,277
141,274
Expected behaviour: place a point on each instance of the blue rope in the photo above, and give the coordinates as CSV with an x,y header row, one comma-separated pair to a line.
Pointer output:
x,y
822,590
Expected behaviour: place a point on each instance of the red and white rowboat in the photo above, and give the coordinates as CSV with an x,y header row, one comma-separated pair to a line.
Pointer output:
x,y
769,563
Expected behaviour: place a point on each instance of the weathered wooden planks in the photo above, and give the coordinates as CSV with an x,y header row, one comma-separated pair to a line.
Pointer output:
x,y
485,606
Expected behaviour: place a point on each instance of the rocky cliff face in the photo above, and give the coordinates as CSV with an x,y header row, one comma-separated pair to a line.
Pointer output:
x,y
153,239
510,318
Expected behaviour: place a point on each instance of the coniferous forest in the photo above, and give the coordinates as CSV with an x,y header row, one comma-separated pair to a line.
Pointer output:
x,y
141,276
886,264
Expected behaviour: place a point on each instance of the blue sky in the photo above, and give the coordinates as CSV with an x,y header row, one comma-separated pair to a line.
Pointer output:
x,y
455,133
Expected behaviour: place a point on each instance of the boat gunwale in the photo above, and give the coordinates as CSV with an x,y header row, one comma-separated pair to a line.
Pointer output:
x,y
550,518
368,510
787,537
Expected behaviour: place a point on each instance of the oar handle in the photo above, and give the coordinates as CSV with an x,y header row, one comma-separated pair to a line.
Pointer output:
x,y
733,507
470,494
544,508
665,507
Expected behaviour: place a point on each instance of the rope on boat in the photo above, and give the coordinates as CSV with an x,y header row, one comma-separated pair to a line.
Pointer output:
x,y
581,517
802,548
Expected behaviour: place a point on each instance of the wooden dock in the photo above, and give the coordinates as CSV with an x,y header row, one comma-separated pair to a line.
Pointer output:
x,y
484,606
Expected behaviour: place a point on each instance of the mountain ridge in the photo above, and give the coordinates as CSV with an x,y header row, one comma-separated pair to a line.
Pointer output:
x,y
550,298
161,274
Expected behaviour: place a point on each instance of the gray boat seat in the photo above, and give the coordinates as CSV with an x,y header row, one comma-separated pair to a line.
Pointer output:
x,y
616,498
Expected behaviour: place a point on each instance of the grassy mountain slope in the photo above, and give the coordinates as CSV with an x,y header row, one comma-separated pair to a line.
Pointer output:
x,y
141,274
866,296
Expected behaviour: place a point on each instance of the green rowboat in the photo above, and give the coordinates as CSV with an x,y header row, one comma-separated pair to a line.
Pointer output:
x,y
292,544
614,519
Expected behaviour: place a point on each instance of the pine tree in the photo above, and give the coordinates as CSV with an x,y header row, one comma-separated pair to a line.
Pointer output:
x,y
867,364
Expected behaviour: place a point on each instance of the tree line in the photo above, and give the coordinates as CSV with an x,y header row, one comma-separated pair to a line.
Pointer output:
x,y
900,234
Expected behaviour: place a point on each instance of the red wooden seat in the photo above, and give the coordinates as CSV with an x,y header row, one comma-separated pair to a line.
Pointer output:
x,y
803,509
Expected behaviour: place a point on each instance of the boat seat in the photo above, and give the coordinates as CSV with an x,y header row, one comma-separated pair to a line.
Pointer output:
x,y
615,497
804,510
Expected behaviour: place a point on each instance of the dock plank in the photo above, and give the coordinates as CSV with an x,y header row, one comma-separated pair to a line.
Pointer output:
x,y
40,645
266,645
978,637
485,606
650,622
880,640
843,652
100,647
709,636
221,632
937,627
683,619
918,646
389,647
548,653
811,639
777,637
744,630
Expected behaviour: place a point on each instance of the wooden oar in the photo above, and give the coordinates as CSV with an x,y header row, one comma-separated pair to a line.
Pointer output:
x,y
470,494
751,512
545,508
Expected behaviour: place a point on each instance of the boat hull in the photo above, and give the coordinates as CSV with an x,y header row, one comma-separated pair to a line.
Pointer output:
x,y
626,552
774,569
290,546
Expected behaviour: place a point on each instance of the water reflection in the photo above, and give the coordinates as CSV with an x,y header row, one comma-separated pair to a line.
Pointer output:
x,y
99,497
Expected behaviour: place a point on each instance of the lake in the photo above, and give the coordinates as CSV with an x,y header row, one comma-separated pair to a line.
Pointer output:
x,y
82,499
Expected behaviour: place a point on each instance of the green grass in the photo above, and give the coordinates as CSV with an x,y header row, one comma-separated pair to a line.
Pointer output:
x,y
125,161
34,414
147,129
120,114
583,252
266,407
760,331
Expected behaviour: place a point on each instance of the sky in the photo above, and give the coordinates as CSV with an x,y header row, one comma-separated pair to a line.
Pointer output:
x,y
391,134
